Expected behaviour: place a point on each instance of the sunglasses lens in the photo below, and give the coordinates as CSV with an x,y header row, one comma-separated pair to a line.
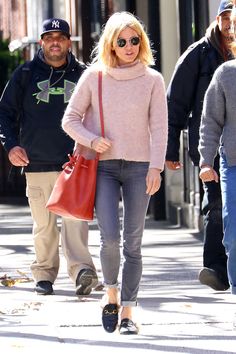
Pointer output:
x,y
135,40
121,42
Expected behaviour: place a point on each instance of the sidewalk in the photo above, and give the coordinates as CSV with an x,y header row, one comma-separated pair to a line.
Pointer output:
x,y
176,313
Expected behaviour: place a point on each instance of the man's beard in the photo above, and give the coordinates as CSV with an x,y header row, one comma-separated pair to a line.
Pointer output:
x,y
229,38
55,57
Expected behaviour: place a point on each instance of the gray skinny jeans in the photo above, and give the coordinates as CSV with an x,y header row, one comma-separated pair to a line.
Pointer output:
x,y
129,178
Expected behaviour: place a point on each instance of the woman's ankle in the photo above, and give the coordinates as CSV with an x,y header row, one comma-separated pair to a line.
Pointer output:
x,y
126,312
112,296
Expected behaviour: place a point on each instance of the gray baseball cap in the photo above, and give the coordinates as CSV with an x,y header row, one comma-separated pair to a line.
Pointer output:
x,y
225,5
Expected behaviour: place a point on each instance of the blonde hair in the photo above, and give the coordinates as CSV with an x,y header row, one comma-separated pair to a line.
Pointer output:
x,y
104,53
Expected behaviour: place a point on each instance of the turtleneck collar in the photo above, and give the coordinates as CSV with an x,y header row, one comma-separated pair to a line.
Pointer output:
x,y
127,72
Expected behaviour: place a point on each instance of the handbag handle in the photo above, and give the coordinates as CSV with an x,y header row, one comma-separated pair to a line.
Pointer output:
x,y
100,103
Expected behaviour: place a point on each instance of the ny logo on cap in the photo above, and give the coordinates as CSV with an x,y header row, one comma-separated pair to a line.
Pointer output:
x,y
55,24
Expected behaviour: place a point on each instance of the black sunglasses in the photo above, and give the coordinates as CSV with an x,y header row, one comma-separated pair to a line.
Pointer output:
x,y
121,42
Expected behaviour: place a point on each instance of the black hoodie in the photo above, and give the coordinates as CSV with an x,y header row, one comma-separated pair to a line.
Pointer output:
x,y
35,105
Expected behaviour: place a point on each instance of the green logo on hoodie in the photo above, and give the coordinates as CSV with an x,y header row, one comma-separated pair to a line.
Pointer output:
x,y
46,91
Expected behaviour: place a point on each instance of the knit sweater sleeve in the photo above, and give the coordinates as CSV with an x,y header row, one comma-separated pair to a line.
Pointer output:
x,y
158,123
72,122
212,120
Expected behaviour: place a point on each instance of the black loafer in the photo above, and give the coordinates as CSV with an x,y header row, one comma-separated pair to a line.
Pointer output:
x,y
127,327
110,317
44,287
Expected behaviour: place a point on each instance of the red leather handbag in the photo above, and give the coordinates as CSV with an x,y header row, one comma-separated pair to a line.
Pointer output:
x,y
73,194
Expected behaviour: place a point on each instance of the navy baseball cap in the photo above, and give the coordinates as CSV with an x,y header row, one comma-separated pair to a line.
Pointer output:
x,y
225,5
56,25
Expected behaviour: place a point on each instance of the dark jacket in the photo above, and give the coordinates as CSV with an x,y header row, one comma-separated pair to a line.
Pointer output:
x,y
31,109
185,93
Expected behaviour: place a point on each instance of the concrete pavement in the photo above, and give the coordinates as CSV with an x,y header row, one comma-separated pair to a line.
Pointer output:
x,y
176,313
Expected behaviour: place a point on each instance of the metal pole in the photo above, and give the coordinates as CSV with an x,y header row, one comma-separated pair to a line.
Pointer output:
x,y
186,23
201,17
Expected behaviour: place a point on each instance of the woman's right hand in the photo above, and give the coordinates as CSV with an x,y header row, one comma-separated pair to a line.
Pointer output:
x,y
101,144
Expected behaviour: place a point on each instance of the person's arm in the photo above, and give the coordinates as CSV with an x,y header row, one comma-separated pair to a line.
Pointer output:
x,y
78,106
158,127
212,125
158,123
180,97
10,109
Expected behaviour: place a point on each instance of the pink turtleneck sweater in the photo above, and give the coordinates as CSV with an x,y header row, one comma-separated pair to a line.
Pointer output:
x,y
135,113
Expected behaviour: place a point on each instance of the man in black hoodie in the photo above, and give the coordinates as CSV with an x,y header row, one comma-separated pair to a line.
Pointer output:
x,y
35,100
185,94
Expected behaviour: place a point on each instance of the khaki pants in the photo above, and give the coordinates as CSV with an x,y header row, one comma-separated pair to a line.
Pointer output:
x,y
74,233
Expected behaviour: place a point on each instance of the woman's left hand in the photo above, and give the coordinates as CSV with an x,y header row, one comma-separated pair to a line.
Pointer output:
x,y
153,181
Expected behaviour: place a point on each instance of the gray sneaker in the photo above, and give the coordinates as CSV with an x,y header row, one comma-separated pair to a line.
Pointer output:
x,y
86,280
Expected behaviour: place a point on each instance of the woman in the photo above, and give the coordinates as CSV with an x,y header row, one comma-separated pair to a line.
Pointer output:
x,y
132,153
218,130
